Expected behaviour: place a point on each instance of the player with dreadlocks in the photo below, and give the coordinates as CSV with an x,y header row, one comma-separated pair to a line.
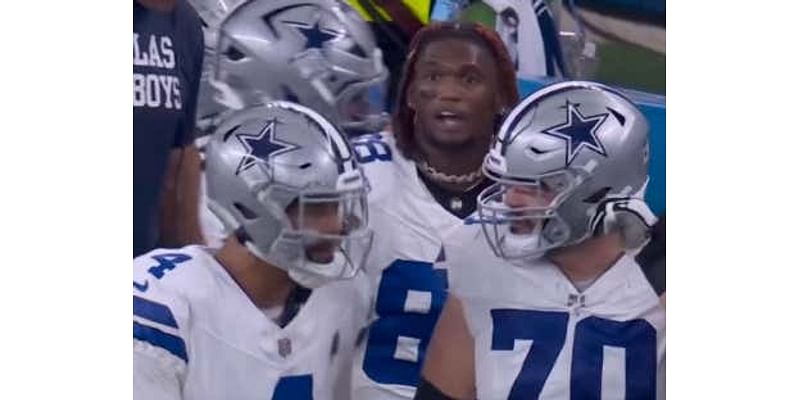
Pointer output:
x,y
457,83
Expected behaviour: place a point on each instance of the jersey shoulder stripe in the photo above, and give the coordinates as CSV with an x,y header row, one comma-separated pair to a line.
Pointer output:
x,y
156,312
171,343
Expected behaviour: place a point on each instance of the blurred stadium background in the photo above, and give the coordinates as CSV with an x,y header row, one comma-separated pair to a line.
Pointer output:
x,y
630,39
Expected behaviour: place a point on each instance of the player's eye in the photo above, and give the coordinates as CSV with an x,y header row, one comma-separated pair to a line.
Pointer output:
x,y
471,79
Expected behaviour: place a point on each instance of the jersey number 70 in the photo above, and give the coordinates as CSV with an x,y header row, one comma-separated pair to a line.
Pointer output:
x,y
548,329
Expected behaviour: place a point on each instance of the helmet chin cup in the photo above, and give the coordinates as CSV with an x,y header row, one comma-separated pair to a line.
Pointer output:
x,y
313,275
524,247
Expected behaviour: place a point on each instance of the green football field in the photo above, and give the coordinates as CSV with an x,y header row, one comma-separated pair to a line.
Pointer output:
x,y
632,67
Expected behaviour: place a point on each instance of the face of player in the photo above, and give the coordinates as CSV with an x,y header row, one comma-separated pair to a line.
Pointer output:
x,y
323,218
454,93
528,199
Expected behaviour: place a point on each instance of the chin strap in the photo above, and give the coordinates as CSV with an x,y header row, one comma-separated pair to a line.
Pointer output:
x,y
629,215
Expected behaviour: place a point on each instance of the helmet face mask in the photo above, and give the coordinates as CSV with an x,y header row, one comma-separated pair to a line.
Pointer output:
x,y
324,236
567,149
520,218
287,178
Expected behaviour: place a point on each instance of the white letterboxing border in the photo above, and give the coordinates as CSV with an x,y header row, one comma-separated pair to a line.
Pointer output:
x,y
66,169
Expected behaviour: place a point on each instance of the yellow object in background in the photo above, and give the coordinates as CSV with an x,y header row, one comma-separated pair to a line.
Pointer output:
x,y
420,8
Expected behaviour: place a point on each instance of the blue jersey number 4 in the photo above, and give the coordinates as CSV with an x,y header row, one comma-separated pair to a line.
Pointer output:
x,y
166,262
548,331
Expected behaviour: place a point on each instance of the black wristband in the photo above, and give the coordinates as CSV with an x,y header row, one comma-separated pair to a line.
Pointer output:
x,y
427,391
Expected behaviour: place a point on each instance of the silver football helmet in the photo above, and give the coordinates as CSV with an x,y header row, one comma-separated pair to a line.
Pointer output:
x,y
286,181
211,13
318,53
568,161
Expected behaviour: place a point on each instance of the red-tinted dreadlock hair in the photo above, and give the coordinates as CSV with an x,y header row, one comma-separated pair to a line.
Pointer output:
x,y
403,117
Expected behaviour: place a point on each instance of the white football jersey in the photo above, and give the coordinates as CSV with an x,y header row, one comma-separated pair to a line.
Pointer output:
x,y
198,336
537,337
411,229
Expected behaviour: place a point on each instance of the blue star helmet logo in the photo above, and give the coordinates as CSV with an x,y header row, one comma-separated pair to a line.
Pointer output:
x,y
579,132
261,146
315,36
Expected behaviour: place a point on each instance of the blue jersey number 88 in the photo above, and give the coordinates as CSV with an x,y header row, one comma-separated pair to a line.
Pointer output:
x,y
369,148
410,298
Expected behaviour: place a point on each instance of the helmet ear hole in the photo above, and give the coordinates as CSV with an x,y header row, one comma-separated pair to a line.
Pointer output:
x,y
246,212
234,54
358,51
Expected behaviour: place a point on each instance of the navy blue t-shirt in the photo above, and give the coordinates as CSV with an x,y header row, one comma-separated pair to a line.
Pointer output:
x,y
167,61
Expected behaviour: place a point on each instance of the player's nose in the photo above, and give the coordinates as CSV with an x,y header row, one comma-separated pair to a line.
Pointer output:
x,y
517,197
330,224
528,197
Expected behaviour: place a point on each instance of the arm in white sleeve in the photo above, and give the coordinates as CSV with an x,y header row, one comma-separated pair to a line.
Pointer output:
x,y
157,375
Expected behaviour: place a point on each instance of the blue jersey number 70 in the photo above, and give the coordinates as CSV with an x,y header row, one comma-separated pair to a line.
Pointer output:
x,y
548,331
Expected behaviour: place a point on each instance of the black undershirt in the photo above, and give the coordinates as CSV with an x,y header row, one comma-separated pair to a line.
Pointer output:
x,y
297,298
451,200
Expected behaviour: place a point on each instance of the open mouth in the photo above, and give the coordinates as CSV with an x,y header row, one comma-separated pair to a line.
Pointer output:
x,y
523,227
450,118
322,252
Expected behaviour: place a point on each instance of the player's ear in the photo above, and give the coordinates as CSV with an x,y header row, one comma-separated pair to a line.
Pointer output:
x,y
501,111
411,99
411,95
500,103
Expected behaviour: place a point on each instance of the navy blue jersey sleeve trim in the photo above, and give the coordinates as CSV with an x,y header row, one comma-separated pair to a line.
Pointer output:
x,y
171,343
153,311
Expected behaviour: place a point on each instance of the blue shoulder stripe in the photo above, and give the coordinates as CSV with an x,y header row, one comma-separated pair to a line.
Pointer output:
x,y
155,337
153,311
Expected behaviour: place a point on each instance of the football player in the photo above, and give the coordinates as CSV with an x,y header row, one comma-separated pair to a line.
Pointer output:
x,y
274,313
551,303
425,177
318,53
